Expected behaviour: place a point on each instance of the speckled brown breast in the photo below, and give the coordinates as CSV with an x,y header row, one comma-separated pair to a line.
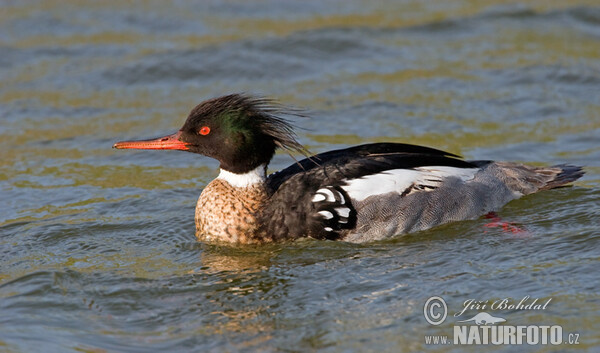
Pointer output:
x,y
227,213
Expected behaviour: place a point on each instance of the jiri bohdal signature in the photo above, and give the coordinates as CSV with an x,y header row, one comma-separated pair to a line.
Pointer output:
x,y
505,304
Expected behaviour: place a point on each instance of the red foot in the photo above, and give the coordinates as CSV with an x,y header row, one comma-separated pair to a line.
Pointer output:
x,y
507,227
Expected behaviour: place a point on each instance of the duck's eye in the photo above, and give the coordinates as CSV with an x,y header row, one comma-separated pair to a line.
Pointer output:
x,y
205,130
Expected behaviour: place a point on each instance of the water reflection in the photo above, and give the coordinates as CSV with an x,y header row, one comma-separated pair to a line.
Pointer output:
x,y
243,259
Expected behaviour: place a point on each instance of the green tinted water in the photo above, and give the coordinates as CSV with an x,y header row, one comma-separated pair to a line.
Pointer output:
x,y
97,247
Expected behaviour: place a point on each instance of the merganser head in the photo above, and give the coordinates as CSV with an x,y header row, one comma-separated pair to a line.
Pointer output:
x,y
239,131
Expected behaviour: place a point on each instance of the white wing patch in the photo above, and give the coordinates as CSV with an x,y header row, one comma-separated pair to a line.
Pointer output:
x,y
334,212
344,212
319,197
326,214
329,196
403,180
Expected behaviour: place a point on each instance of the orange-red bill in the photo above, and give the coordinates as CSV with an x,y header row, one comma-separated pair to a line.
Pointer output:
x,y
169,142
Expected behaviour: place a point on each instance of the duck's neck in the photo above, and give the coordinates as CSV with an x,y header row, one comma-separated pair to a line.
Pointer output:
x,y
253,177
228,207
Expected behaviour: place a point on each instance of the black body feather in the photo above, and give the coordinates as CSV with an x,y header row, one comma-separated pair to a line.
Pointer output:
x,y
331,169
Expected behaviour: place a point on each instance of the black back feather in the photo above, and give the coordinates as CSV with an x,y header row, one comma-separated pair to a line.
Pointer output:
x,y
299,182
362,160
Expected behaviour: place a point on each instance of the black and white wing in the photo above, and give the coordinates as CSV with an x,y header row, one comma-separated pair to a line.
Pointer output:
x,y
316,196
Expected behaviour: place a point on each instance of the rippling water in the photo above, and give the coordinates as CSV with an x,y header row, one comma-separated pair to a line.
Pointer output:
x,y
97,247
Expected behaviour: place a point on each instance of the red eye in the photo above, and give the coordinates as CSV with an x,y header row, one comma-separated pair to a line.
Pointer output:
x,y
205,130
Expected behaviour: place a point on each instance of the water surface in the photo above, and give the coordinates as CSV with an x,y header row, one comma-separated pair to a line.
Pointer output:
x,y
97,247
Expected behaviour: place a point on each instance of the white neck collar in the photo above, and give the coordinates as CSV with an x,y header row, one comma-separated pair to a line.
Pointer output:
x,y
252,177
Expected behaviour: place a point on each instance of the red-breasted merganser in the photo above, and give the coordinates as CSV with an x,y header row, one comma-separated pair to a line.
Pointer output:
x,y
358,194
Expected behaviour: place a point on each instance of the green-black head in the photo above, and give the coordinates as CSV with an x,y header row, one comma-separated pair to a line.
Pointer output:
x,y
239,131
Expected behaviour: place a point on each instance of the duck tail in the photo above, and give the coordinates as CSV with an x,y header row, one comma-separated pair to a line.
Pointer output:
x,y
526,179
561,174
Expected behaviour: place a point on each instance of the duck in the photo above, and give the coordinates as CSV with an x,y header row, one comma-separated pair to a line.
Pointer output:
x,y
358,194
